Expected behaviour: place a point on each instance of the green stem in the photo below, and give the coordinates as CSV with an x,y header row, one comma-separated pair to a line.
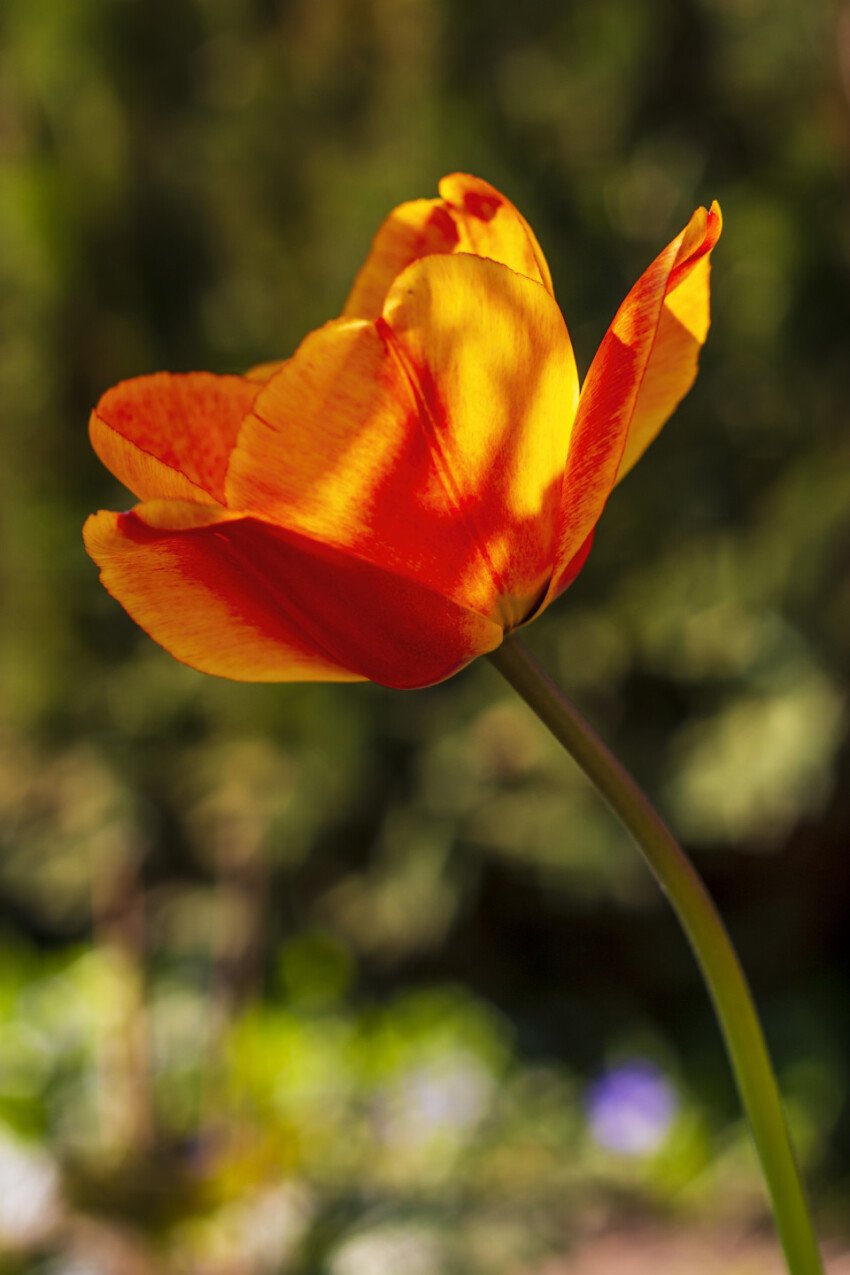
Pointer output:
x,y
708,938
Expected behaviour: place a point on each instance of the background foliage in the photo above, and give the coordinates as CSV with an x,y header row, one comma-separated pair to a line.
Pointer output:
x,y
316,979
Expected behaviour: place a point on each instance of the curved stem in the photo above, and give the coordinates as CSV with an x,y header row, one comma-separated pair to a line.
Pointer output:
x,y
706,934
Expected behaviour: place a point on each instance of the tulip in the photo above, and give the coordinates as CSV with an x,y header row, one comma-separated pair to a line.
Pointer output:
x,y
420,479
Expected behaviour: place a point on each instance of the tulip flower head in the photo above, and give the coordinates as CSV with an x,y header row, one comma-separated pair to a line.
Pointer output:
x,y
423,476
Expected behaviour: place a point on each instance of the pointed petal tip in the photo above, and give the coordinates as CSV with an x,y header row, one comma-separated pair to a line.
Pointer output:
x,y
697,240
715,223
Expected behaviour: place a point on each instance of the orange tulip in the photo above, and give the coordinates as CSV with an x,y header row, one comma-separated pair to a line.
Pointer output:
x,y
420,478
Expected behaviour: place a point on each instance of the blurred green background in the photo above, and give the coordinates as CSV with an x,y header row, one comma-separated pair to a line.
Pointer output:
x,y
337,980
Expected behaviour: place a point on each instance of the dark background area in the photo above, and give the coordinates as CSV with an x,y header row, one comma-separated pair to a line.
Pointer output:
x,y
289,973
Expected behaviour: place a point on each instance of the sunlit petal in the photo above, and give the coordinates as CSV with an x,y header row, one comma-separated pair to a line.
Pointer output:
x,y
415,229
471,217
681,334
639,350
490,360
432,442
489,225
335,448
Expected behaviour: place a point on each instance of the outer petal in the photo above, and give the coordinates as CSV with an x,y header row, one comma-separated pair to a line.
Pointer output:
x,y
335,449
491,363
194,596
241,598
681,334
431,442
641,370
167,436
471,217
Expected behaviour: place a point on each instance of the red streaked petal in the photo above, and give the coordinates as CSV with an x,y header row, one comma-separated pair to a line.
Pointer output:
x,y
241,598
170,436
682,329
194,597
471,217
415,229
611,394
489,225
144,475
490,361
335,449
431,443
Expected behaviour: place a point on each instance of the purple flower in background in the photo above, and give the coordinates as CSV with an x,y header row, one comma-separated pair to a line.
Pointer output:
x,y
631,1108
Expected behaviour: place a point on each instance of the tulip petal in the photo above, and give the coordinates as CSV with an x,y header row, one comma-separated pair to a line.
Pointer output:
x,y
196,600
681,334
490,226
241,598
432,442
335,449
471,217
170,436
645,364
491,364
414,229
262,372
